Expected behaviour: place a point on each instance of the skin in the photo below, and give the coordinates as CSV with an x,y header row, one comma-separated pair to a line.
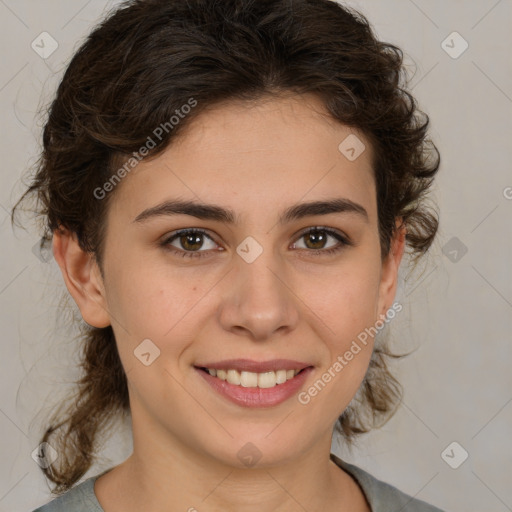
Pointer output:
x,y
257,160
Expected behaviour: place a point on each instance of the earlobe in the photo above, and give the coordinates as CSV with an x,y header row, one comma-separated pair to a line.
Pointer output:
x,y
82,277
390,267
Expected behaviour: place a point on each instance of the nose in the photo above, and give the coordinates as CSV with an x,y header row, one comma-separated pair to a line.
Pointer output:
x,y
259,300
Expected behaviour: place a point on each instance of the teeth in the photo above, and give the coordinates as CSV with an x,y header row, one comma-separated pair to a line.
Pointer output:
x,y
254,380
233,377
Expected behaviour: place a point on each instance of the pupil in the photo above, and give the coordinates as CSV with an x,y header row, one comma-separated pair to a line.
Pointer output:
x,y
316,236
193,239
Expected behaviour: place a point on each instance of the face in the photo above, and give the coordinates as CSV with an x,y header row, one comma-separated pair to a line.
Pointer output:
x,y
260,286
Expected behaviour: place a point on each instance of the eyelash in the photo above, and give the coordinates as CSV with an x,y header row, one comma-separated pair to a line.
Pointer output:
x,y
199,254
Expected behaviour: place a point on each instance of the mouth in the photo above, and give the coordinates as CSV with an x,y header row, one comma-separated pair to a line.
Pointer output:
x,y
255,389
248,379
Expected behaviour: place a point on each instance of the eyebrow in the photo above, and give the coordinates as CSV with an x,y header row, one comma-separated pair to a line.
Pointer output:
x,y
218,213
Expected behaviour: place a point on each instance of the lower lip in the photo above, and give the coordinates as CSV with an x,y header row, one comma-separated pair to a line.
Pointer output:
x,y
257,397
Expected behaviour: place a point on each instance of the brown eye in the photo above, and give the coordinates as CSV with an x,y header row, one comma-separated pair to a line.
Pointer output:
x,y
191,241
188,242
317,238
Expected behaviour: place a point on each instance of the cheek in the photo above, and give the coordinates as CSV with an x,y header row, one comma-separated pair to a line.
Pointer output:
x,y
155,303
344,311
135,300
143,296
344,316
345,298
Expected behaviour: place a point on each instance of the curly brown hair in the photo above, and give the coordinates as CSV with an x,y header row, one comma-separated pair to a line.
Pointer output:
x,y
147,59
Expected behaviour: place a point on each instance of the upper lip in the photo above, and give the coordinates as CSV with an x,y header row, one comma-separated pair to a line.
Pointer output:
x,y
248,365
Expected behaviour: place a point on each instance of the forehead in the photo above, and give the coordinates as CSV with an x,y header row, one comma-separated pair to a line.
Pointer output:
x,y
256,157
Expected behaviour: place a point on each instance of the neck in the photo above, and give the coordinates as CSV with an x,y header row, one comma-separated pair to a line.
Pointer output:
x,y
166,474
185,480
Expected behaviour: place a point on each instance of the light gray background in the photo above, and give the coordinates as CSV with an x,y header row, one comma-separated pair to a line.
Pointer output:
x,y
458,384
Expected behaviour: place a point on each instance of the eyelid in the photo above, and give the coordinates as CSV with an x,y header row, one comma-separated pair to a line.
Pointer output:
x,y
175,234
331,231
301,233
340,236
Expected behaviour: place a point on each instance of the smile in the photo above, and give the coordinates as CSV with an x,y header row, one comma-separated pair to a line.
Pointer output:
x,y
251,379
255,390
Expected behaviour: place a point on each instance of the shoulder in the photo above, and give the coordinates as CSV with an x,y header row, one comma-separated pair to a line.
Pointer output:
x,y
80,498
382,496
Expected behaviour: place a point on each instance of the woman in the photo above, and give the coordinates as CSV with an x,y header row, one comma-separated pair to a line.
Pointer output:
x,y
230,187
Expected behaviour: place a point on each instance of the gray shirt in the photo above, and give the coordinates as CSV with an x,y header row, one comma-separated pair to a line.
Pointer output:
x,y
381,496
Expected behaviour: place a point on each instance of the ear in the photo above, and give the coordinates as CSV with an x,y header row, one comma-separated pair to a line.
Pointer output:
x,y
82,277
389,272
